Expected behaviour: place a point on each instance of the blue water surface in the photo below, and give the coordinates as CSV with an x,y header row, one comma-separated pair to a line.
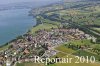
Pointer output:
x,y
14,23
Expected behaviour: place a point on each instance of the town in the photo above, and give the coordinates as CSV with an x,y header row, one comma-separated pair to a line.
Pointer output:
x,y
42,44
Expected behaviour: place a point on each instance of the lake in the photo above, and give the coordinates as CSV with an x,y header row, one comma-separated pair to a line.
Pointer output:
x,y
14,23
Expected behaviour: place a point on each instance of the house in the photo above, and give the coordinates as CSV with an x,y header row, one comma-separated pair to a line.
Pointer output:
x,y
8,63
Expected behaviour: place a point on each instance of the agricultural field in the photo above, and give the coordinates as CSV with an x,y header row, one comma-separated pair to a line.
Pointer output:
x,y
84,18
64,49
72,53
42,26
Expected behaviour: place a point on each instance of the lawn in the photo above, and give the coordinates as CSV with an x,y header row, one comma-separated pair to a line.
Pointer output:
x,y
4,47
60,54
42,26
73,62
97,29
86,53
81,42
64,49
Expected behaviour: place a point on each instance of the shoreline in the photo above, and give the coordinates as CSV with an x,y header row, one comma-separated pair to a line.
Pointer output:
x,y
17,37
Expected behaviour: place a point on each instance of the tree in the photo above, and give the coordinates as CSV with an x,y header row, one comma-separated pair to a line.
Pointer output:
x,y
98,40
11,46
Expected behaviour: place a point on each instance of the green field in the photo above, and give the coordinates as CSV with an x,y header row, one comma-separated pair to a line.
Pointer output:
x,y
67,52
64,49
81,42
84,18
42,26
4,47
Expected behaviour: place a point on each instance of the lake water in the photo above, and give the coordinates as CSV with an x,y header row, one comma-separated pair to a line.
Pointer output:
x,y
14,23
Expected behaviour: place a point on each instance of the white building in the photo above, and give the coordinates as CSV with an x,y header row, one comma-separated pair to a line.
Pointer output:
x,y
8,63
